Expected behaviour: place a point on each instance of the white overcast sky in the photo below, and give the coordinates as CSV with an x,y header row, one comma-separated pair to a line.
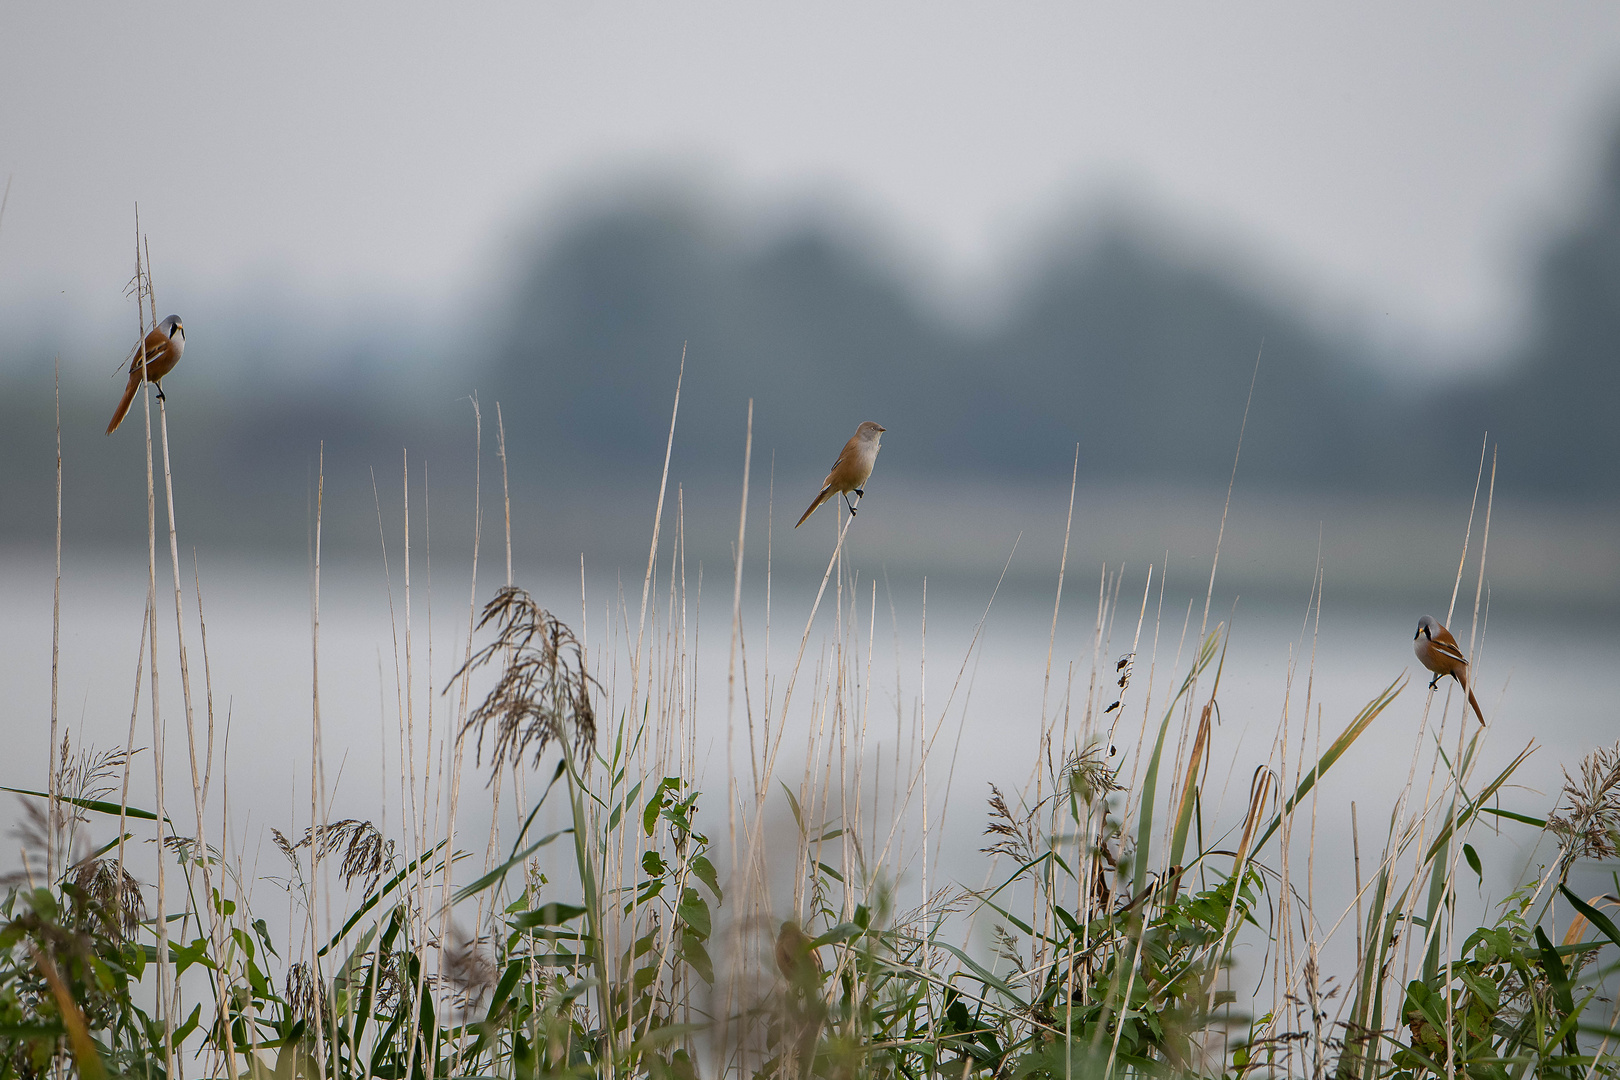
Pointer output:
x,y
1397,158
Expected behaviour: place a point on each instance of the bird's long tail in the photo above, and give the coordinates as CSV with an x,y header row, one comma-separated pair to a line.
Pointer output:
x,y
123,406
1472,700
825,493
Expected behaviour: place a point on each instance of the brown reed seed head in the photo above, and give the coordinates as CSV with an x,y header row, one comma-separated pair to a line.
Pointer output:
x,y
1587,822
544,691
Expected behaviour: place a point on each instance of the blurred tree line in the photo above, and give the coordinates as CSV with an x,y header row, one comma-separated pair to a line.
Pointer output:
x,y
1113,340
1138,353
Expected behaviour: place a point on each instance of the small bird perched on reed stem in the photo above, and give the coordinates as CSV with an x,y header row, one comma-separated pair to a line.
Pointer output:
x,y
803,1011
162,348
796,959
852,469
1438,651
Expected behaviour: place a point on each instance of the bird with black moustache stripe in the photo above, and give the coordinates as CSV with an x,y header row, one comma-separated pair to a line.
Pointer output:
x,y
161,350
1438,651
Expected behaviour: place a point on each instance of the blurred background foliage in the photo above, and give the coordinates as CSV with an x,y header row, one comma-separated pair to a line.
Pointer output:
x,y
1116,333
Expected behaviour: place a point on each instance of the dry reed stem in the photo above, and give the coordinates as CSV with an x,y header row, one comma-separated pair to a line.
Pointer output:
x,y
460,719
129,752
636,660
1176,774
787,696
658,520
736,621
1468,532
401,692
85,1055
1283,968
317,778
961,671
1057,601
498,776
53,807
1085,888
1316,793
208,683
1231,484
417,813
199,793
1421,863
164,979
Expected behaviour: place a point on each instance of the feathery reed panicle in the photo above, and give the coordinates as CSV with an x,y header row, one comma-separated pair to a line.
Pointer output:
x,y
1587,821
544,690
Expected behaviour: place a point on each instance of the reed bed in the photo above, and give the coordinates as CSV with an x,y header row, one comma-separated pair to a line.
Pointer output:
x,y
629,914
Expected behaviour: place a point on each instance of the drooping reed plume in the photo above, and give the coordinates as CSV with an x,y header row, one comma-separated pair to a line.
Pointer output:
x,y
544,691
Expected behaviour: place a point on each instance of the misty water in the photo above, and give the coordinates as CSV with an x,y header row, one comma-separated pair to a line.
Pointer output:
x,y
1545,678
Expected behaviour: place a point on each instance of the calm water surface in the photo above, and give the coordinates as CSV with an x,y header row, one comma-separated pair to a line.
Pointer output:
x,y
1545,679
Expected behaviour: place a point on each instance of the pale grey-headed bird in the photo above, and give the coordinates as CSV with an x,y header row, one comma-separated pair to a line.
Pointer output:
x,y
852,469
162,347
1438,651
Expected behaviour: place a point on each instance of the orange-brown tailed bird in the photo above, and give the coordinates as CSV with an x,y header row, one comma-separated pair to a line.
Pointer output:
x,y
162,347
1438,651
796,959
851,470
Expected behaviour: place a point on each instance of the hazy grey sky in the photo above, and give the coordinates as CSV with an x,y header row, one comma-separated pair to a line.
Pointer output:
x,y
1393,156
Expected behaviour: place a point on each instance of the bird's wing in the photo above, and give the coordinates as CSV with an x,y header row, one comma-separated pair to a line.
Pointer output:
x,y
847,454
1446,645
154,342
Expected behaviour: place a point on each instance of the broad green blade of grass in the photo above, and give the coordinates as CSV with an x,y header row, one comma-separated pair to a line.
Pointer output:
x,y
1331,755
97,805
499,873
1189,788
376,897
1150,780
